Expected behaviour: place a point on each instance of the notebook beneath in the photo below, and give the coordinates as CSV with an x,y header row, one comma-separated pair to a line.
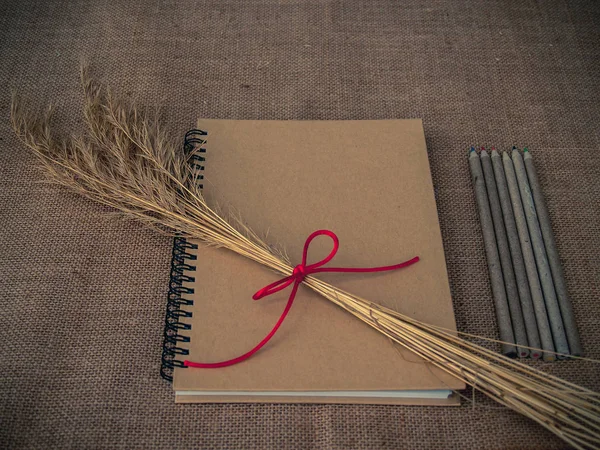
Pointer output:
x,y
367,181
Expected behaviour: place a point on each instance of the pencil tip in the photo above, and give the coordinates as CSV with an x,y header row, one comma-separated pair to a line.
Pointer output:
x,y
514,147
525,149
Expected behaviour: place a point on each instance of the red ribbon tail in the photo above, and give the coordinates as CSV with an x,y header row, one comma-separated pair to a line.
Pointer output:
x,y
261,344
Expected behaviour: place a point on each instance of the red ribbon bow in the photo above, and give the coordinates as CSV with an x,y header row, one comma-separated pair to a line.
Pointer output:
x,y
300,272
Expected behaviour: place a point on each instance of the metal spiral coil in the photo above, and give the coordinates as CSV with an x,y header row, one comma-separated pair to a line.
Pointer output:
x,y
180,273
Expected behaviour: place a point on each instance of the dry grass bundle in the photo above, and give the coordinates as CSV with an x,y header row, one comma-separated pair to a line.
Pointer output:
x,y
126,162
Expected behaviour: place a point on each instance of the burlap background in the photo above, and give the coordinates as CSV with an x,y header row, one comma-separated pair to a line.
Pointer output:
x,y
83,297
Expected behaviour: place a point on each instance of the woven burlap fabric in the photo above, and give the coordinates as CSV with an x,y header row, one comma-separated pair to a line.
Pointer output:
x,y
83,296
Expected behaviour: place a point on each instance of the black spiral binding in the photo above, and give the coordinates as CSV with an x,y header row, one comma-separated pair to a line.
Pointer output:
x,y
180,268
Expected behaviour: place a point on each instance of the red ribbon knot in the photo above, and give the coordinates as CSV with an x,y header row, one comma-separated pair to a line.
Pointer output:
x,y
300,272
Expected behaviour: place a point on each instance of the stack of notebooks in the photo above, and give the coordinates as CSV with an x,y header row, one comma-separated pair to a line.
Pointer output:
x,y
367,181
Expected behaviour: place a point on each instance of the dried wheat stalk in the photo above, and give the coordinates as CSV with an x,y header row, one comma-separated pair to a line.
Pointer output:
x,y
127,162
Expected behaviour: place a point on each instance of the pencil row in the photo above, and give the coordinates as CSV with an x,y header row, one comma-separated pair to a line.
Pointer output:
x,y
528,285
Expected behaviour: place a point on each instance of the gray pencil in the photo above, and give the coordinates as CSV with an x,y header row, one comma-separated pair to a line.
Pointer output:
x,y
555,266
537,296
524,294
491,251
541,259
510,283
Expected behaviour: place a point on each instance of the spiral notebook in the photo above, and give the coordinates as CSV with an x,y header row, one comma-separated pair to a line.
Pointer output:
x,y
367,181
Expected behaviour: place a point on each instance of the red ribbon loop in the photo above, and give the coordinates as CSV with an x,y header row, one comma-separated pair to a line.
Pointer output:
x,y
300,272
